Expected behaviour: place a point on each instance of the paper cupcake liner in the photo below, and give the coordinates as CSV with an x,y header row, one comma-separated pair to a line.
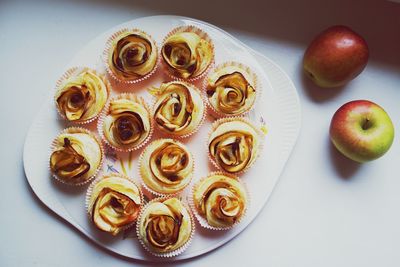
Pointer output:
x,y
203,35
105,112
172,253
228,119
109,48
53,147
201,122
219,114
90,191
153,191
203,221
74,71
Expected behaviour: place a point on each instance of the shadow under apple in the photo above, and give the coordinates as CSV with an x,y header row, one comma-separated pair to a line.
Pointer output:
x,y
315,93
344,167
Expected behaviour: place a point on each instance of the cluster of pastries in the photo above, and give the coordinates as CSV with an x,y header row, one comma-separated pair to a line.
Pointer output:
x,y
126,122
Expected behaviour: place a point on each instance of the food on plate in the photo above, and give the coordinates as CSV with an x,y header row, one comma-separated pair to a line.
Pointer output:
x,y
179,108
114,202
76,156
126,124
187,52
165,227
220,200
231,89
131,55
233,144
166,166
81,95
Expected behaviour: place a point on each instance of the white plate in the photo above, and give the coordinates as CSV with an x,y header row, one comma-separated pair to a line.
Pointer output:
x,y
278,109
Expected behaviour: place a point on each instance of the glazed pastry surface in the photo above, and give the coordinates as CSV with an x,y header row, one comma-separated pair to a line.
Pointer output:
x,y
179,108
186,54
82,96
76,157
166,166
165,225
114,203
220,199
231,91
127,123
234,145
133,55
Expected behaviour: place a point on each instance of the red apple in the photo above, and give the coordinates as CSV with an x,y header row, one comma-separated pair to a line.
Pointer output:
x,y
361,130
336,56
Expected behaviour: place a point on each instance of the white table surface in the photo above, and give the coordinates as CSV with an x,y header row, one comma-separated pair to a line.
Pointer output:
x,y
325,211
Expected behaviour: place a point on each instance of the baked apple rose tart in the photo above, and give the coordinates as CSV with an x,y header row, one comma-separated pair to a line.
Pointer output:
x,y
231,89
220,201
132,55
76,156
165,227
234,144
166,167
187,52
179,108
113,203
81,95
126,124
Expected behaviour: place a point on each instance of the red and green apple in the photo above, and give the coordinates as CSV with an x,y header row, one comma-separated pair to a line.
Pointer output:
x,y
361,130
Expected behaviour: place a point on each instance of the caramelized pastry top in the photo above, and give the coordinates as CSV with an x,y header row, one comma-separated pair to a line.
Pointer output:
x,y
81,96
179,108
133,55
187,55
165,225
220,199
231,90
115,203
76,157
234,145
127,122
166,166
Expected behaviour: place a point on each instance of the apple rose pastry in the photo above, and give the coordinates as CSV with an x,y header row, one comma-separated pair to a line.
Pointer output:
x,y
81,95
165,227
132,55
231,89
114,203
179,109
77,156
233,144
166,166
187,52
219,200
126,124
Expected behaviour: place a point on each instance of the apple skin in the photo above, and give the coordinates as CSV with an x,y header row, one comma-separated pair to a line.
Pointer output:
x,y
361,130
336,56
